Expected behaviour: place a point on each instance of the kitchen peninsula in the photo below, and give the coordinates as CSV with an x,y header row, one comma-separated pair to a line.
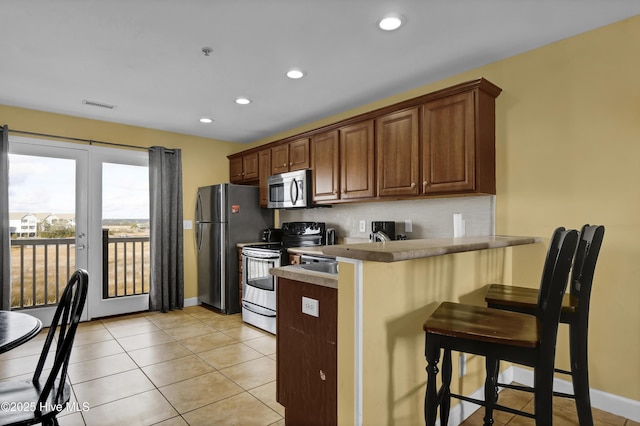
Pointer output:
x,y
384,292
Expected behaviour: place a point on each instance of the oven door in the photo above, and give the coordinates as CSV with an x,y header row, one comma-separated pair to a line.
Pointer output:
x,y
258,286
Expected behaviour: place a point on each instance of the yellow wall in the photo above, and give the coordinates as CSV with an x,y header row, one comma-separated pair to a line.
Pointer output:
x,y
204,161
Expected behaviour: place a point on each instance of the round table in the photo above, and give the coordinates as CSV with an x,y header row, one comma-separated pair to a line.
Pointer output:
x,y
17,328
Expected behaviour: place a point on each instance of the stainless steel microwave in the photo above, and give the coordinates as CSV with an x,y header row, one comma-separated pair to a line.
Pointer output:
x,y
290,190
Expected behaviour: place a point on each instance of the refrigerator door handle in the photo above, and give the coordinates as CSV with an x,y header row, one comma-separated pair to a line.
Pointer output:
x,y
223,269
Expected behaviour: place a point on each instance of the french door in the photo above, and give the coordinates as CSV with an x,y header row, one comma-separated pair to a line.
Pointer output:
x,y
78,206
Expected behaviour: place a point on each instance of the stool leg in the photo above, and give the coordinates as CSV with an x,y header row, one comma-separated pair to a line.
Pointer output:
x,y
543,394
580,373
432,353
490,388
444,396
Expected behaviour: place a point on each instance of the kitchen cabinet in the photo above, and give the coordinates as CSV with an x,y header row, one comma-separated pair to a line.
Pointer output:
x,y
357,166
458,144
244,168
290,156
264,171
306,359
324,163
397,151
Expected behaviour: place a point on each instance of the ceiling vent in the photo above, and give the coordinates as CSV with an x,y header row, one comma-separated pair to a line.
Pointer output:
x,y
98,104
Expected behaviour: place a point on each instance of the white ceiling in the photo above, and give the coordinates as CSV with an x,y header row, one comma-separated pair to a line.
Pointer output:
x,y
144,56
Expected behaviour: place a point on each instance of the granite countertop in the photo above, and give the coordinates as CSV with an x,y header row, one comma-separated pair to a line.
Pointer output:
x,y
295,272
395,251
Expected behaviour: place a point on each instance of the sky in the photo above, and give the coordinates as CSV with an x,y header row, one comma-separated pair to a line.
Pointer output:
x,y
47,185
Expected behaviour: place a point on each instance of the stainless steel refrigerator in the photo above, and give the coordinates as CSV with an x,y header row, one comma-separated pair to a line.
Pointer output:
x,y
225,215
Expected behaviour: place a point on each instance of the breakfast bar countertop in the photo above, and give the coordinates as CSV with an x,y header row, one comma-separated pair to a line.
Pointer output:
x,y
296,273
396,251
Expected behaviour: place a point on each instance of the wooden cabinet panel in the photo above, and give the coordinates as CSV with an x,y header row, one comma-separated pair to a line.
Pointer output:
x,y
264,167
324,155
290,157
280,159
299,154
357,166
448,144
235,170
397,151
307,367
250,167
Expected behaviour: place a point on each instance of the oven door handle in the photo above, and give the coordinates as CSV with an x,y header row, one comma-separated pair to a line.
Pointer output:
x,y
257,310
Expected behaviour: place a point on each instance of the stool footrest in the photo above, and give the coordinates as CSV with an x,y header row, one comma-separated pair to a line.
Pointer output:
x,y
495,406
531,390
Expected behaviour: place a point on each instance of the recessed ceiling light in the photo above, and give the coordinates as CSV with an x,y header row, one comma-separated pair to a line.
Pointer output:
x,y
391,22
243,101
295,74
205,120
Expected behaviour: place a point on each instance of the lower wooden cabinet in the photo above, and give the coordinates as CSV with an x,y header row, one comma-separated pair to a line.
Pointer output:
x,y
307,355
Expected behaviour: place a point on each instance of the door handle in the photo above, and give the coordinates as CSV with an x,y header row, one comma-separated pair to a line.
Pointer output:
x,y
81,247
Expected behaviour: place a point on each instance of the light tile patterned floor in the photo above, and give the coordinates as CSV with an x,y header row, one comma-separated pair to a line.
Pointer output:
x,y
195,367
189,367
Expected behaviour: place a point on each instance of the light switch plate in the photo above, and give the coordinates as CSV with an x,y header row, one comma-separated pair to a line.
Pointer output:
x,y
187,224
408,225
310,307
363,226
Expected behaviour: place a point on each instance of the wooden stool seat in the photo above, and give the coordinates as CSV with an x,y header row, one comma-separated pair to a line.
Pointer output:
x,y
523,299
484,324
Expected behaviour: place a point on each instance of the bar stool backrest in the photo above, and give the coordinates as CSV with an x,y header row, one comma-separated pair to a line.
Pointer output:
x,y
584,266
552,288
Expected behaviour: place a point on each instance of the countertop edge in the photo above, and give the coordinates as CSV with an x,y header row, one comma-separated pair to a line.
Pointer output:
x,y
296,273
396,251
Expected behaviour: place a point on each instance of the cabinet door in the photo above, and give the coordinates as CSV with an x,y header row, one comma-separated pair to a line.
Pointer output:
x,y
357,161
324,154
307,367
397,151
448,145
264,168
280,159
250,167
235,170
299,154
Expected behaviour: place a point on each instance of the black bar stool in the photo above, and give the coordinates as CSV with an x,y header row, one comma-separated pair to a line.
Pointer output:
x,y
575,313
501,335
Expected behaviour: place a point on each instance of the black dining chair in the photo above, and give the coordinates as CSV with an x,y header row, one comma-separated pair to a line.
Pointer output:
x,y
41,399
575,313
501,335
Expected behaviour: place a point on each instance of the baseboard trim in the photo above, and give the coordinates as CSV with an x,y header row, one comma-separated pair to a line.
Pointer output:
x,y
604,401
192,301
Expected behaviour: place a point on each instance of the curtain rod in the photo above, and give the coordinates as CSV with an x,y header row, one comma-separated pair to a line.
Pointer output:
x,y
89,141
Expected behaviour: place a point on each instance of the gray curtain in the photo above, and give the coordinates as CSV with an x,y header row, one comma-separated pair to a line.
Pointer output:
x,y
5,239
166,290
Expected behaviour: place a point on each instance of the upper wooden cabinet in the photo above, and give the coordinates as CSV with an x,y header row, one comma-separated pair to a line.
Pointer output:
x,y
357,167
438,144
397,149
458,144
324,163
244,168
291,156
264,171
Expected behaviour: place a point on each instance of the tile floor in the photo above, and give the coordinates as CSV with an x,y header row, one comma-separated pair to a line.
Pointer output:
x,y
194,367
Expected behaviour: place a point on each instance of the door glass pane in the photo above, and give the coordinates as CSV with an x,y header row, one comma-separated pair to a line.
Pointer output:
x,y
42,199
125,230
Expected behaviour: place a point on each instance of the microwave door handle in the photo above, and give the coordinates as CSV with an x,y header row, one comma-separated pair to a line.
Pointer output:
x,y
294,184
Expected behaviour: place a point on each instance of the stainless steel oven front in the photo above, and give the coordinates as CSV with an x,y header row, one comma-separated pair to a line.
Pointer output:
x,y
258,286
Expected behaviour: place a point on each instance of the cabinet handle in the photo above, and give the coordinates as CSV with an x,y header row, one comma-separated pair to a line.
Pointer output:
x,y
284,165
413,184
291,163
322,375
344,191
424,185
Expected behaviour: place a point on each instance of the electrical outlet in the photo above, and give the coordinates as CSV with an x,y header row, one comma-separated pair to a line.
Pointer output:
x,y
408,225
310,307
363,226
463,365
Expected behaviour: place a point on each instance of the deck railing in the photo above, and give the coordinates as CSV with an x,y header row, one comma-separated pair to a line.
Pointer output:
x,y
41,267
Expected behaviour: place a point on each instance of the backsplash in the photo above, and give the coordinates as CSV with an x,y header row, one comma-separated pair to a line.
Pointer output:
x,y
431,218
